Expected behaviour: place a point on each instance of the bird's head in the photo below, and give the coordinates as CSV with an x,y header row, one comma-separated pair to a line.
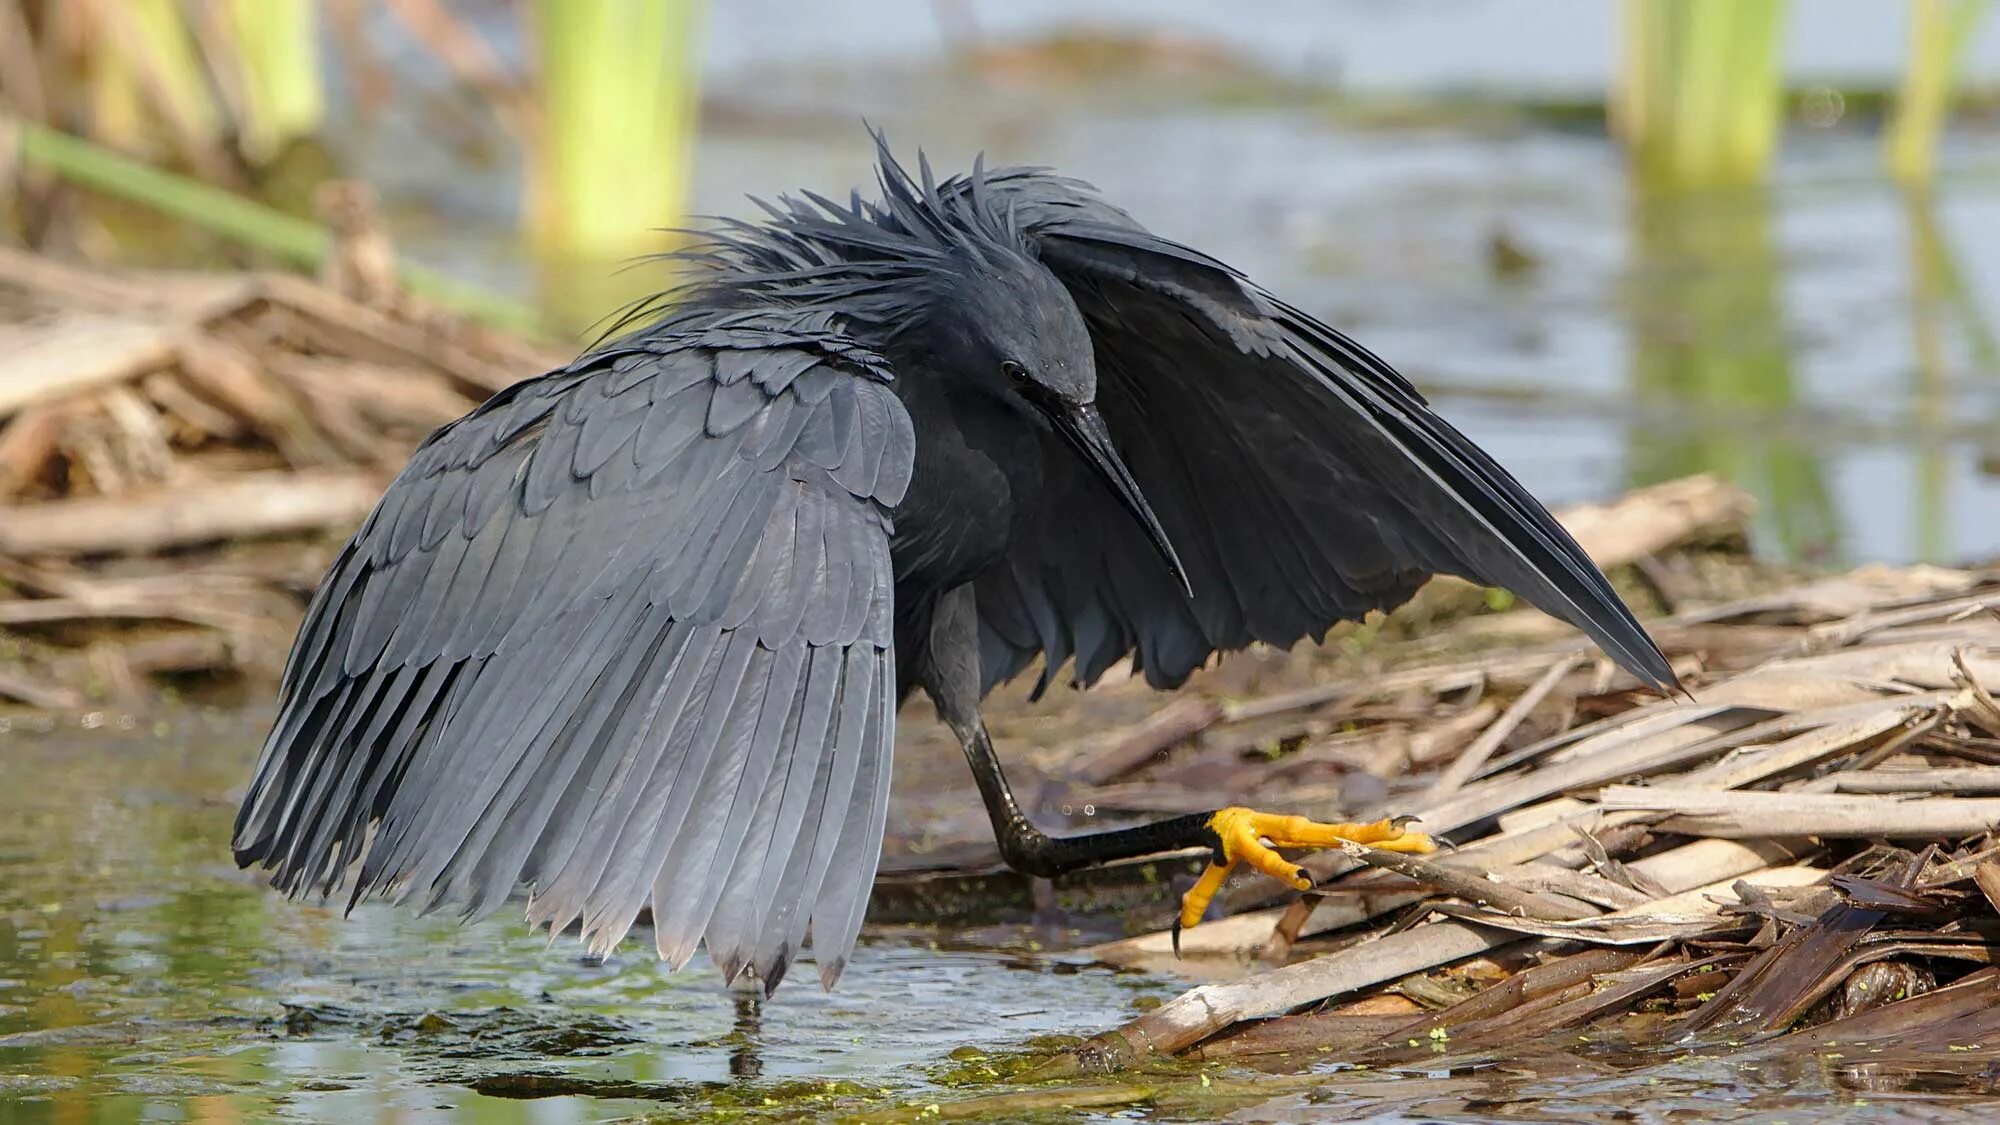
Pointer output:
x,y
1010,329
1003,325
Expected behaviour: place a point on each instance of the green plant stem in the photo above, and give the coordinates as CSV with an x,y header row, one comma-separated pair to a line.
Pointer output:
x,y
1699,97
609,159
291,239
151,40
276,87
1939,33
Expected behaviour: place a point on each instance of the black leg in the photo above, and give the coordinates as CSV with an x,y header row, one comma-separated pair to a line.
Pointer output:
x,y
948,669
1031,851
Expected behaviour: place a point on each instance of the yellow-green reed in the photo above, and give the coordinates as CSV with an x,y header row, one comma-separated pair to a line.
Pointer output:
x,y
267,57
211,85
1699,96
611,152
144,72
1939,33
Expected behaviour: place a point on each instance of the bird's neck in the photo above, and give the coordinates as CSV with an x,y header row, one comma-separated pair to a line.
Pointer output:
x,y
978,478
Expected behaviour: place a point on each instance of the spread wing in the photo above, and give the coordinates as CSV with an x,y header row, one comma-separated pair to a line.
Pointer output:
x,y
1301,479
622,634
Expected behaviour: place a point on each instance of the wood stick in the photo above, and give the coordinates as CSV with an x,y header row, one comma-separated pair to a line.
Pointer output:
x,y
1440,678
412,398
1679,736
1310,1034
231,378
1548,978
1572,884
142,439
1465,765
353,329
26,444
1502,897
178,296
248,505
1677,917
1200,1012
1434,742
1170,725
189,409
1986,877
1968,779
1829,733
48,697
1744,816
76,353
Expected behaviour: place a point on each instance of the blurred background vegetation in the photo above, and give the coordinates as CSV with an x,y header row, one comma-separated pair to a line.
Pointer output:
x,y
1620,242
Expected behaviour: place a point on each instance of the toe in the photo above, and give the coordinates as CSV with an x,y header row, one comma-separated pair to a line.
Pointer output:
x,y
1413,843
1241,843
1379,832
1298,832
1276,866
1195,902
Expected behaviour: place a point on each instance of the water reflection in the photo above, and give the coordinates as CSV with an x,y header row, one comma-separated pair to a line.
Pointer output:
x,y
1933,278
1949,333
745,1061
143,978
1712,364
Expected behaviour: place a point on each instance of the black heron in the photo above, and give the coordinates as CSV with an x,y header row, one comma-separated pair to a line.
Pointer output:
x,y
635,632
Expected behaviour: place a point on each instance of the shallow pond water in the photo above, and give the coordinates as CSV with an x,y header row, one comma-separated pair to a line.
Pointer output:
x,y
143,978
1828,343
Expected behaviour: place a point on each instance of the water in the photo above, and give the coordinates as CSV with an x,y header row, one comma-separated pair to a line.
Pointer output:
x,y
1369,45
1828,343
143,978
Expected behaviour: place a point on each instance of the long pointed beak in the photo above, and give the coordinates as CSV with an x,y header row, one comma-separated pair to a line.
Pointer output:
x,y
1083,426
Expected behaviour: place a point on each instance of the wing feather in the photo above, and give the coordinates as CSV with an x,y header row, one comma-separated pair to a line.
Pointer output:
x,y
843,891
620,636
739,922
1302,480
690,884
825,826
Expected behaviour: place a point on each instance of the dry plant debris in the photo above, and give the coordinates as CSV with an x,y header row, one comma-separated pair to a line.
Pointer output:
x,y
180,454
1810,834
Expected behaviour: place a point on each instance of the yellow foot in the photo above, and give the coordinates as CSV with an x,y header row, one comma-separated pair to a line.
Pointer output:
x,y
1241,836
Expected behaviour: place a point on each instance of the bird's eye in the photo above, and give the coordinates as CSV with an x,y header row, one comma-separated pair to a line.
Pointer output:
x,y
1014,371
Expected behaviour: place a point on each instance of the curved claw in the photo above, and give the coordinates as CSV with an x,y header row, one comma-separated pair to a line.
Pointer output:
x,y
1195,902
1241,835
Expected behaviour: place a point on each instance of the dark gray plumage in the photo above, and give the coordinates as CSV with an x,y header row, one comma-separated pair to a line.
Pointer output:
x,y
634,612
633,632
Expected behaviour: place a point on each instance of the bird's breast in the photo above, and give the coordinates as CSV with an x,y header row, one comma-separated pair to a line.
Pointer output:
x,y
977,479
